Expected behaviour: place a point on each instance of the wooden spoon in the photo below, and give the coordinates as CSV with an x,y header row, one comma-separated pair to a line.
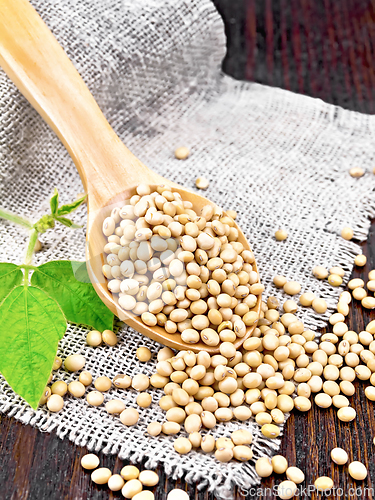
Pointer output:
x,y
36,63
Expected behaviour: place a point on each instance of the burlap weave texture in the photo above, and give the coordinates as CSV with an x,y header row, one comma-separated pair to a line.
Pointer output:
x,y
279,159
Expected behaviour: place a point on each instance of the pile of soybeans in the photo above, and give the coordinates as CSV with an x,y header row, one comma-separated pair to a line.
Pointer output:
x,y
185,272
188,273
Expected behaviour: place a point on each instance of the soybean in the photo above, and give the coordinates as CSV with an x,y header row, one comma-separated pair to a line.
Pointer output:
x,y
101,476
339,456
90,461
357,470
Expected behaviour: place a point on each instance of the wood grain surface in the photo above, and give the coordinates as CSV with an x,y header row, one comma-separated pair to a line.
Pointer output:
x,y
320,48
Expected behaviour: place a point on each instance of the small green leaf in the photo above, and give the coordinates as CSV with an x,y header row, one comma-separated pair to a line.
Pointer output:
x,y
10,276
54,202
70,207
67,222
44,223
31,325
78,300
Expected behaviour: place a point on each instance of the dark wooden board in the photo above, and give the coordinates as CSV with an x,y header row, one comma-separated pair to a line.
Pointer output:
x,y
320,48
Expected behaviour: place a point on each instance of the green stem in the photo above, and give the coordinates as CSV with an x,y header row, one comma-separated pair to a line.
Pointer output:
x,y
4,214
30,247
27,267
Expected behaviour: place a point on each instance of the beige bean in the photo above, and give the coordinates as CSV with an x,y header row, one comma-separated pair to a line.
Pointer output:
x,y
55,403
357,470
95,398
270,431
154,429
76,389
292,287
90,461
208,443
279,464
129,416
101,476
131,488
148,478
286,490
295,474
74,362
103,384
115,406
242,453
279,281
94,338
263,467
339,456
115,482
224,454
182,445
346,414
170,428
129,472
323,483
144,399
319,305
140,382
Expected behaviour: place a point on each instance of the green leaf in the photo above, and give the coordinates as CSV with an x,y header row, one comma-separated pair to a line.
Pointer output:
x,y
67,222
10,276
70,207
78,300
54,202
80,271
31,325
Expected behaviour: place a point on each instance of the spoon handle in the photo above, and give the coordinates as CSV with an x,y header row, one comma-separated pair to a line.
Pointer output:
x,y
37,64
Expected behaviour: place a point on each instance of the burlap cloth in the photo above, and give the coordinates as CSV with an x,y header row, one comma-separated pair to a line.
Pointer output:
x,y
281,160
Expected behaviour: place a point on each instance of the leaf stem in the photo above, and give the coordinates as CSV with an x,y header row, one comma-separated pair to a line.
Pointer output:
x,y
30,247
16,219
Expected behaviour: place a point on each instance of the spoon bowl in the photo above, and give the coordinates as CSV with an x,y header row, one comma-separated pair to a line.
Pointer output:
x,y
96,258
38,65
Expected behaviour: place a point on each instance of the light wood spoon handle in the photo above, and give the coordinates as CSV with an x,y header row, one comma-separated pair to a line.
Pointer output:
x,y
38,65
